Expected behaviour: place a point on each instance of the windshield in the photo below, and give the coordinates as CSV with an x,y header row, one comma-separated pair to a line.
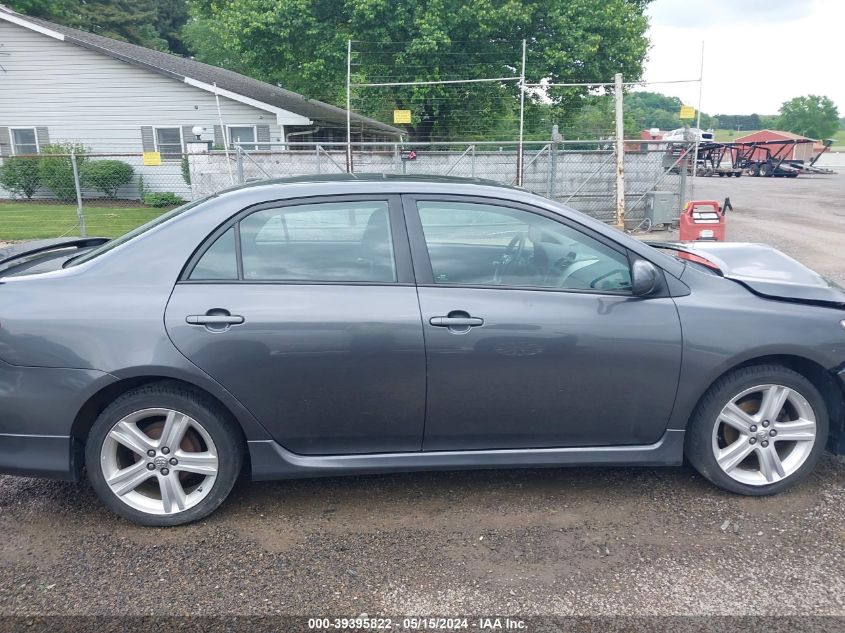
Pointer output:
x,y
105,248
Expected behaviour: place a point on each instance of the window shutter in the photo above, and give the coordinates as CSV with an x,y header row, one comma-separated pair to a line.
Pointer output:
x,y
218,137
147,140
188,136
5,142
43,136
262,135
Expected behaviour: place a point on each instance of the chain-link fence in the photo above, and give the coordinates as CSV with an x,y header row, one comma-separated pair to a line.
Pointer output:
x,y
108,194
579,173
54,195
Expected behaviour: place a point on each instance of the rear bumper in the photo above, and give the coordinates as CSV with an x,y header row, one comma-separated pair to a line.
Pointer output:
x,y
37,456
38,406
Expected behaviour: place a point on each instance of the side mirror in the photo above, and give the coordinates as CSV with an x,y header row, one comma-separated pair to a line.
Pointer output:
x,y
644,278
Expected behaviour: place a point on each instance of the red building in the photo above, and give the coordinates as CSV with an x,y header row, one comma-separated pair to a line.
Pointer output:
x,y
799,151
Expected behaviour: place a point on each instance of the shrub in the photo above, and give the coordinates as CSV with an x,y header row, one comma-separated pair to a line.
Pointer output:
x,y
20,176
106,176
57,172
162,199
186,170
142,189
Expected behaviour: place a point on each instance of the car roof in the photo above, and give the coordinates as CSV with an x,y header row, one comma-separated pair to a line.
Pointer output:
x,y
373,177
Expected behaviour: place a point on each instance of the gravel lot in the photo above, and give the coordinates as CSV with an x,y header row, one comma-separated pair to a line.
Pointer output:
x,y
569,541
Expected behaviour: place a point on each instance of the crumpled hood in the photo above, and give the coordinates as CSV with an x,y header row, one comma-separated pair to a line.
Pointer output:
x,y
766,271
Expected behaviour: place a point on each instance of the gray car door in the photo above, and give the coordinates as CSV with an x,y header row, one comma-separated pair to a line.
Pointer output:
x,y
532,335
306,311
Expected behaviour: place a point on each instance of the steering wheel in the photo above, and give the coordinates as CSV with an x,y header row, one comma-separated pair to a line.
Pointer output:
x,y
513,252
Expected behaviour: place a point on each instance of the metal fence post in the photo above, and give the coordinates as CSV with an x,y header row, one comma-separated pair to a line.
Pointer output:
x,y
80,213
620,153
240,165
319,159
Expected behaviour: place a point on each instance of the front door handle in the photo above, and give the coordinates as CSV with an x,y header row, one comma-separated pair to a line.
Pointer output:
x,y
456,321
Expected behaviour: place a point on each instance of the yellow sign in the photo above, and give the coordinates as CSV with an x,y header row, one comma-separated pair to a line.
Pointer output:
x,y
687,112
152,159
401,116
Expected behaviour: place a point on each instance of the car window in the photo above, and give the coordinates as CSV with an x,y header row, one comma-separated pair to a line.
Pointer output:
x,y
342,241
219,261
482,244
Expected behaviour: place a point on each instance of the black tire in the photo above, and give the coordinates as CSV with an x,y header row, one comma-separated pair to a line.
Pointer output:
x,y
699,448
766,170
754,170
171,395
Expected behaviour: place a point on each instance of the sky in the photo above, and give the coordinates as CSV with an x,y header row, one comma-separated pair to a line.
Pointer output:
x,y
743,73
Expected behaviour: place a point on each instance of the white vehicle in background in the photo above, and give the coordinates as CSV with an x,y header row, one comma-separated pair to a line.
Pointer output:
x,y
689,134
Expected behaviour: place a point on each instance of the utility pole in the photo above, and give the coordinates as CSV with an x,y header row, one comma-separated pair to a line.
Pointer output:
x,y
348,106
620,153
519,157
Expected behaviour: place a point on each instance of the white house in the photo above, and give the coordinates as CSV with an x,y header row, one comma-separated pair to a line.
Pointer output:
x,y
62,84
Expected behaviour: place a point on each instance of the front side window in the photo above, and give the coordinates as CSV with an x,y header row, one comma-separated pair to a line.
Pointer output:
x,y
24,141
321,242
169,142
484,244
244,137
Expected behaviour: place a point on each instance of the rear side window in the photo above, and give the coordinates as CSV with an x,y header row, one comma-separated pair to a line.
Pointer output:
x,y
321,242
219,261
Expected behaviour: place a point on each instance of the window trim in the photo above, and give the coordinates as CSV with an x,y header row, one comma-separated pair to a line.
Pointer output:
x,y
398,234
156,128
422,262
24,127
254,136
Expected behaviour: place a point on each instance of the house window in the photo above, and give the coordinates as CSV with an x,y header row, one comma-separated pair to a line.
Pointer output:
x,y
242,136
24,140
169,142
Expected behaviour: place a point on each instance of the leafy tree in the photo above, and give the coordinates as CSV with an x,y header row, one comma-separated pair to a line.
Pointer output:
x,y
812,116
741,122
152,23
301,45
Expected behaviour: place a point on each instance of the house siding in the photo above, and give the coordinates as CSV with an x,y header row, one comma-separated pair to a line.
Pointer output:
x,y
85,96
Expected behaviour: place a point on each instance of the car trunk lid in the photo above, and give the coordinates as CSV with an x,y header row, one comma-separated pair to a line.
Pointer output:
x,y
43,255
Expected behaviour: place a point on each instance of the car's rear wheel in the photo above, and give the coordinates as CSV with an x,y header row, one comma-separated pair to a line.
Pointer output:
x,y
758,430
163,455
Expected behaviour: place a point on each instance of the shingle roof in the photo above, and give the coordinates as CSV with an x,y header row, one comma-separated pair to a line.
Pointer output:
x,y
181,68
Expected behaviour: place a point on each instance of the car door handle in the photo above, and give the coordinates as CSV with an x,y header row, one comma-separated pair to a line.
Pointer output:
x,y
456,321
214,319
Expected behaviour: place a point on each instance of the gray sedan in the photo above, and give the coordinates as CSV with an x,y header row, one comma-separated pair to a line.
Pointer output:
x,y
374,324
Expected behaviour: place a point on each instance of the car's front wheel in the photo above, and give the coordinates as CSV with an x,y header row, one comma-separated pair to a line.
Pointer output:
x,y
758,430
163,455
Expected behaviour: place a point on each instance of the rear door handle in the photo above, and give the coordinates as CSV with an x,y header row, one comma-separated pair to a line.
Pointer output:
x,y
450,321
214,319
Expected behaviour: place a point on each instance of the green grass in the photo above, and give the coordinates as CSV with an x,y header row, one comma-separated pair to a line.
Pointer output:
x,y
727,136
34,220
838,141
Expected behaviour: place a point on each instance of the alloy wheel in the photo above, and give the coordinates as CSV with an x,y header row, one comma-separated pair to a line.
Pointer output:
x,y
764,434
159,461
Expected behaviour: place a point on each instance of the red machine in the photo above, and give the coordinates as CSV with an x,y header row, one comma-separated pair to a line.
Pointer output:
x,y
702,220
